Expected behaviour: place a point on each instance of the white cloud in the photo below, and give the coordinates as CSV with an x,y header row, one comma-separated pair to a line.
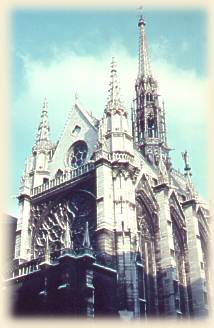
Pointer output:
x,y
183,91
185,94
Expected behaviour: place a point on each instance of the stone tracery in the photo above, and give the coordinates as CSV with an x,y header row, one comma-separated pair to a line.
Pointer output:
x,y
50,222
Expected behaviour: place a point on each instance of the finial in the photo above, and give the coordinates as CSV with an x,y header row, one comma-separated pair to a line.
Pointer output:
x,y
76,97
45,104
86,239
113,65
141,18
47,250
68,242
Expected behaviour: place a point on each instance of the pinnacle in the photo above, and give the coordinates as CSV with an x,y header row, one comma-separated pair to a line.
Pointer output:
x,y
68,242
42,138
47,250
86,239
114,101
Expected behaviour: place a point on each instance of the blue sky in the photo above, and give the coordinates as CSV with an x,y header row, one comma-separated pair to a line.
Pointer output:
x,y
55,54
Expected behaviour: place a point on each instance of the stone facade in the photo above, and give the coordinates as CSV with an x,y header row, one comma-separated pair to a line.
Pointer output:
x,y
107,226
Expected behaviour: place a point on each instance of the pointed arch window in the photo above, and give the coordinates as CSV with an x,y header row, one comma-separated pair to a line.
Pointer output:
x,y
148,298
180,282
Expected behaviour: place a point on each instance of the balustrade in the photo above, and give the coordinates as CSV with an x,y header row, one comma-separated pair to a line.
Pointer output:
x,y
63,178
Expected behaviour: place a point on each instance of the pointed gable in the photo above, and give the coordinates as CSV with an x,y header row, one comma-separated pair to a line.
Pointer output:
x,y
144,189
176,209
80,126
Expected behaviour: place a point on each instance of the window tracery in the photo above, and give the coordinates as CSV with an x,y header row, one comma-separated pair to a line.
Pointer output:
x,y
146,230
78,154
49,221
180,282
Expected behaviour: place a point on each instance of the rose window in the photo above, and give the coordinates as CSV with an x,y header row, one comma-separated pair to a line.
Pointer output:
x,y
78,154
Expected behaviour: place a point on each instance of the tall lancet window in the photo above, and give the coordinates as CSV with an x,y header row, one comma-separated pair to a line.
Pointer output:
x,y
147,249
180,280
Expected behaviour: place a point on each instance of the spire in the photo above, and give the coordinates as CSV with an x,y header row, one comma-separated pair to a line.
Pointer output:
x,y
86,240
114,101
148,118
42,138
144,69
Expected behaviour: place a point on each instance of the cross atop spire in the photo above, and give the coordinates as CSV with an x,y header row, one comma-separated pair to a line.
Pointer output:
x,y
42,138
144,69
114,101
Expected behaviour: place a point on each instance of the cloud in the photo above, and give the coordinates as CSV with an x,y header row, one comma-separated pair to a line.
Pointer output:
x,y
66,73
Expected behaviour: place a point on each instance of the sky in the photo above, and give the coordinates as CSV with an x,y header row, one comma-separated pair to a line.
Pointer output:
x,y
57,54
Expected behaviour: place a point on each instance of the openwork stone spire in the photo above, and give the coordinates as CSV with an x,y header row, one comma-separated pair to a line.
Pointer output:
x,y
148,118
114,101
144,69
42,138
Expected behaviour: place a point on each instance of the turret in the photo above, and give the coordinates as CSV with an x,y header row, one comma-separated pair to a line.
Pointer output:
x,y
114,133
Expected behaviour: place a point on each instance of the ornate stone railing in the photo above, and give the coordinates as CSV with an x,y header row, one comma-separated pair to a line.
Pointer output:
x,y
179,174
67,176
25,268
120,156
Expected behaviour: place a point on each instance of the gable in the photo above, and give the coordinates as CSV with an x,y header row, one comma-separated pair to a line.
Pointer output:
x,y
144,189
176,209
78,127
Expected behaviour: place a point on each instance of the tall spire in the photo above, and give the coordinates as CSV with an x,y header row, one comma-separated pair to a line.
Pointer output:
x,y
114,101
42,138
144,69
148,118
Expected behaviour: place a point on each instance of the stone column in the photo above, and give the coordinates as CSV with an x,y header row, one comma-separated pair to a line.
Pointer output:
x,y
167,275
105,216
22,233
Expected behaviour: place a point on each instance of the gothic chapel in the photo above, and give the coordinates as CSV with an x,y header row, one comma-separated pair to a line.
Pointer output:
x,y
107,226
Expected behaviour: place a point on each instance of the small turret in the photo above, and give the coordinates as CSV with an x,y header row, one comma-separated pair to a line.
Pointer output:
x,y
114,134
